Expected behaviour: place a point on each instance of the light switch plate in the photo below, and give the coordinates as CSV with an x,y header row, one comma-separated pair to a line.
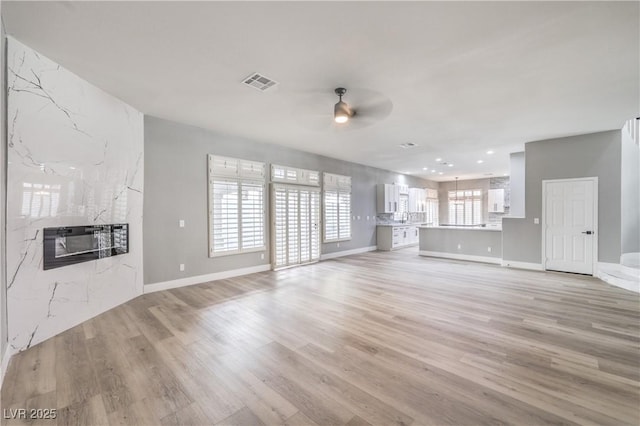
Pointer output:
x,y
182,267
181,223
536,221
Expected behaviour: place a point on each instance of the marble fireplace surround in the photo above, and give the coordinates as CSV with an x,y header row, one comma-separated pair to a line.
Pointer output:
x,y
75,157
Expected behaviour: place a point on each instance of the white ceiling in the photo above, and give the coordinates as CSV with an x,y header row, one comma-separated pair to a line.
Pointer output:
x,y
462,78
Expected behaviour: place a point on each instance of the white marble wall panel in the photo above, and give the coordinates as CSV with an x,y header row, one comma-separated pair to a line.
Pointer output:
x,y
75,157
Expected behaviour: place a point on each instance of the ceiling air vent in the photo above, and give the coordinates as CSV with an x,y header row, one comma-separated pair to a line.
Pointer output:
x,y
259,82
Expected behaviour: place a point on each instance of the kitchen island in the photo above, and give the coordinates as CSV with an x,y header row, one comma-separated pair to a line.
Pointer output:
x,y
478,244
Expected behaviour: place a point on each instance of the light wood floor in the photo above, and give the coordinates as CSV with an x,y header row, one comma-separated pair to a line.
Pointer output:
x,y
379,338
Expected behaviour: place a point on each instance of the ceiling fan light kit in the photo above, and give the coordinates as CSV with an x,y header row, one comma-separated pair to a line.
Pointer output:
x,y
341,111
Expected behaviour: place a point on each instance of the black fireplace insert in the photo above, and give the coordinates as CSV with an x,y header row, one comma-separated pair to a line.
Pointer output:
x,y
75,244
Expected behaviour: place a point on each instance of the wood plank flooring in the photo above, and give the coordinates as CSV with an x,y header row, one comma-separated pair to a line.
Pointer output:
x,y
380,338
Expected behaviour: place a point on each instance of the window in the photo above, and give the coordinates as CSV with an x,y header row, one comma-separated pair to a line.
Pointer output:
x,y
285,174
337,207
465,207
431,208
236,206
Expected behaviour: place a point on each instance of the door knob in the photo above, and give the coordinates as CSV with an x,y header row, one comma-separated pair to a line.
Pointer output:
x,y
587,232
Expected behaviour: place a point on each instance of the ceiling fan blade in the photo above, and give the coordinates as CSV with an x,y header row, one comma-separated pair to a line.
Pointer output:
x,y
315,110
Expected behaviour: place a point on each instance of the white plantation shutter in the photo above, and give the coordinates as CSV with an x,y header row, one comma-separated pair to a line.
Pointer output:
x,y
252,170
296,216
293,175
466,207
280,226
330,215
223,166
252,214
236,205
337,207
225,215
432,207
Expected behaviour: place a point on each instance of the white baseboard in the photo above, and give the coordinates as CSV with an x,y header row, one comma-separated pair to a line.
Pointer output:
x,y
347,252
619,276
522,265
6,357
199,279
456,256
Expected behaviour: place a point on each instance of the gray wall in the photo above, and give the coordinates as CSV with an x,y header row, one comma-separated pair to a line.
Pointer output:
x,y
630,193
517,176
472,242
596,154
3,195
176,188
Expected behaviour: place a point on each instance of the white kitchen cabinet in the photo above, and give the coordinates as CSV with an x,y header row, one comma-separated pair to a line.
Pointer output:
x,y
395,237
495,200
388,198
417,200
412,235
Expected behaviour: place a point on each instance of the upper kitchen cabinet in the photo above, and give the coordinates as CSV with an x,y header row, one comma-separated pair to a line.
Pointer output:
x,y
388,198
495,200
417,200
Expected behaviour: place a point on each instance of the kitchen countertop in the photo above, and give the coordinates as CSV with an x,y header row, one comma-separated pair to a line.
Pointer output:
x,y
464,228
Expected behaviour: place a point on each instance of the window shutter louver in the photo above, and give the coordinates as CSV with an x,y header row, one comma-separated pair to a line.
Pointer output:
x,y
236,205
337,207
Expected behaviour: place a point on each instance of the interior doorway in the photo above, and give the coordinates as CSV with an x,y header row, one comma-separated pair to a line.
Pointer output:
x,y
295,232
569,225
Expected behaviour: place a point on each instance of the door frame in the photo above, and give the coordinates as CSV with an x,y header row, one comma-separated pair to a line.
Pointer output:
x,y
594,250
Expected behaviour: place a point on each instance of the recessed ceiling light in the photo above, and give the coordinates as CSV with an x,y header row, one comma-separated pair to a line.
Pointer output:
x,y
480,161
438,159
489,152
425,168
450,165
505,174
408,145
440,173
433,171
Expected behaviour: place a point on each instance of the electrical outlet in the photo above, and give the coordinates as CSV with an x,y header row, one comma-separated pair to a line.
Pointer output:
x,y
459,246
182,267
489,249
358,217
337,244
181,223
536,221
262,256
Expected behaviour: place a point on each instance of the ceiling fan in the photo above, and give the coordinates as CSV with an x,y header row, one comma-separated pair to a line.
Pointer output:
x,y
363,108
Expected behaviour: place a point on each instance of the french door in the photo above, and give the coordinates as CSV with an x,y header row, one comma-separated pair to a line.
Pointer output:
x,y
570,238
295,232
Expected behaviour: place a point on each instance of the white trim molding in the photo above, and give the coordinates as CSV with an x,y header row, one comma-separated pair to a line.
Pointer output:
x,y
522,265
6,357
619,276
200,279
333,255
472,258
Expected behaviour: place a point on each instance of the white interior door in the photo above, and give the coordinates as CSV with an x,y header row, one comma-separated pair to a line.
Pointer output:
x,y
295,226
569,225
